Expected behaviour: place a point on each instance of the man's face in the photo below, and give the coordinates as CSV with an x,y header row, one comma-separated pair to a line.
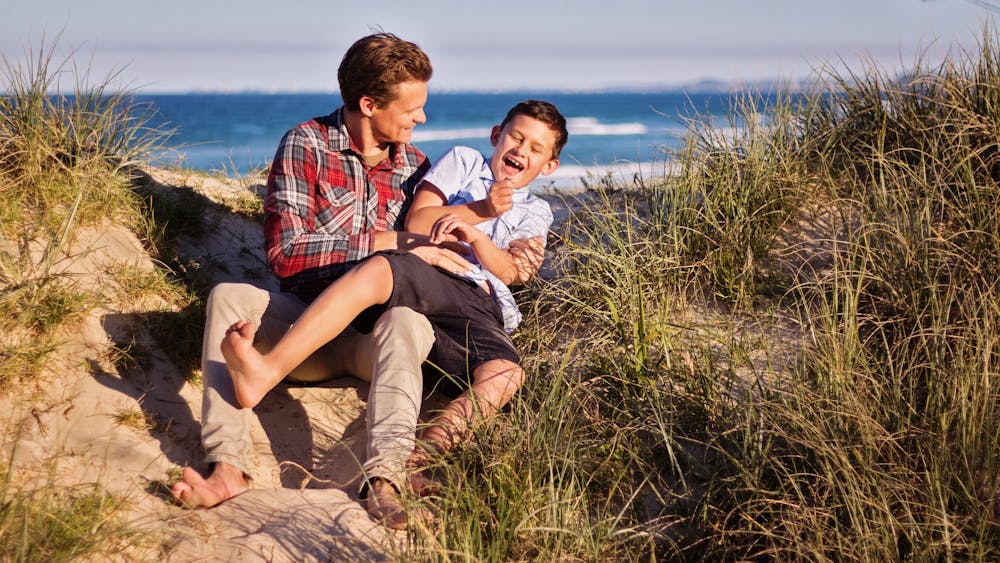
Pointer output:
x,y
522,150
394,122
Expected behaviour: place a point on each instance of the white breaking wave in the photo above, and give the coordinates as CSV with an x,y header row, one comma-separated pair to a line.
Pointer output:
x,y
570,178
424,135
591,126
575,125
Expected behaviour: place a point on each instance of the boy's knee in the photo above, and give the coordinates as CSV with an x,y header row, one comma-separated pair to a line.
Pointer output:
x,y
377,266
501,371
516,375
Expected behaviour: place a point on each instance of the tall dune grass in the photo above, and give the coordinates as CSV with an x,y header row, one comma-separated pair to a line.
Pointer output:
x,y
65,159
787,351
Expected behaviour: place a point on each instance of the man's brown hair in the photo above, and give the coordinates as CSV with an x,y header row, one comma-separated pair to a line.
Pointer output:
x,y
376,64
547,114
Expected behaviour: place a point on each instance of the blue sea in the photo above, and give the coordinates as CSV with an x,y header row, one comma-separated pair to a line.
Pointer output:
x,y
610,133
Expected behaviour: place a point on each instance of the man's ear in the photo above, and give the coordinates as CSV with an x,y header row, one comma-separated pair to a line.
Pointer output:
x,y
367,105
550,167
495,135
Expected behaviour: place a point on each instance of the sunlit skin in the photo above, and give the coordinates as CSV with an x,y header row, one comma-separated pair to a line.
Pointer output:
x,y
372,129
522,150
394,123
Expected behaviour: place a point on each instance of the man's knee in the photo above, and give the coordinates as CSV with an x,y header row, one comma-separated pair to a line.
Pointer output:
x,y
235,296
404,327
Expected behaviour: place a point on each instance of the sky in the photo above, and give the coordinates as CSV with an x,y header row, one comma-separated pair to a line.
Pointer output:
x,y
579,45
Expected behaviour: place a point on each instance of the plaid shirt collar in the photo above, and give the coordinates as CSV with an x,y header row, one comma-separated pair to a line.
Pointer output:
x,y
342,142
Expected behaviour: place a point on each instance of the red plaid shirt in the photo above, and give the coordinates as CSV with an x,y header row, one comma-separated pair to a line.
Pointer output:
x,y
323,207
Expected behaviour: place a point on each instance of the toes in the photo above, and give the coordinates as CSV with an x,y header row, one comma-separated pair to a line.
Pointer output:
x,y
191,478
180,490
423,486
247,329
385,506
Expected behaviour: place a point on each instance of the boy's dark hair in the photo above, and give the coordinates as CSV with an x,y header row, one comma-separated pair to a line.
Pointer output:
x,y
547,114
376,64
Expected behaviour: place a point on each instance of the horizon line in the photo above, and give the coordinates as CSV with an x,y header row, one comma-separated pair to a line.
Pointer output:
x,y
704,85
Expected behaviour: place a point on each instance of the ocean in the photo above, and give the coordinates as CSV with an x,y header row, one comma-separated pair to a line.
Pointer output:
x,y
610,133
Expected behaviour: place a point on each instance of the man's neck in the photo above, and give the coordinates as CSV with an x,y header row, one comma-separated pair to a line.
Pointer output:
x,y
360,131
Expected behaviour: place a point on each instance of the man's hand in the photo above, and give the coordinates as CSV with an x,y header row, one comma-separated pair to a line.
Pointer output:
x,y
528,253
501,198
434,254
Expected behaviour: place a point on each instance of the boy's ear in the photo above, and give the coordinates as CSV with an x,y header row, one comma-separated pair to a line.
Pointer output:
x,y
550,167
495,135
367,105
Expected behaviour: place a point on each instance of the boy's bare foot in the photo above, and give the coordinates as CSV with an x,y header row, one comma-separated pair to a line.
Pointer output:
x,y
252,378
194,491
384,505
418,466
424,486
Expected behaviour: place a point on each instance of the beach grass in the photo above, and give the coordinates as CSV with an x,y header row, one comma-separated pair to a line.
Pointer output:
x,y
42,520
67,159
785,351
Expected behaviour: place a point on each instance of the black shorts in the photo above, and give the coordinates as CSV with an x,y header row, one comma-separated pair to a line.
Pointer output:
x,y
467,322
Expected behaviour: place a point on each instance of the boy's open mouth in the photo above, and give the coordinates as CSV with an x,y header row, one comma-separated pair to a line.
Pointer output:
x,y
513,163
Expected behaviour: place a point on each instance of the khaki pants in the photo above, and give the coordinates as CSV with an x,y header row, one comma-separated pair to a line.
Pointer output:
x,y
389,357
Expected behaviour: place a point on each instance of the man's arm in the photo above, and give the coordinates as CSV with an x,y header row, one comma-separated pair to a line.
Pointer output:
x,y
434,254
524,255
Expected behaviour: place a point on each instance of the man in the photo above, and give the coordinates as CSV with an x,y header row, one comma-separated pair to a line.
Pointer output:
x,y
338,188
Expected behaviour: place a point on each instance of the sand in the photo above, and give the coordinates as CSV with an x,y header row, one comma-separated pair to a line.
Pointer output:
x,y
308,440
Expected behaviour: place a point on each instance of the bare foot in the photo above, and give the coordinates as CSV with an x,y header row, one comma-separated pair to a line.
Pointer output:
x,y
424,486
252,377
194,491
384,506
418,466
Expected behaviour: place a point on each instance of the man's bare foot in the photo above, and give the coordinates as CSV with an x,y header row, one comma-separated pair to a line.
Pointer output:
x,y
252,377
194,491
384,505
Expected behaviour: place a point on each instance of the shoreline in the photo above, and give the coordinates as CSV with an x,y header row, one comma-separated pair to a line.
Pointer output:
x,y
571,179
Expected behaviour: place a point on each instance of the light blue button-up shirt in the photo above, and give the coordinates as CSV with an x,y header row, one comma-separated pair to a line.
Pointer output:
x,y
463,175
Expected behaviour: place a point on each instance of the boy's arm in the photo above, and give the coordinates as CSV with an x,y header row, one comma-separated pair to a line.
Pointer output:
x,y
498,261
429,205
528,254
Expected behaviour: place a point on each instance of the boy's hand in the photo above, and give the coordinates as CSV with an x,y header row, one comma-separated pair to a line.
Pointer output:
x,y
449,228
501,197
528,253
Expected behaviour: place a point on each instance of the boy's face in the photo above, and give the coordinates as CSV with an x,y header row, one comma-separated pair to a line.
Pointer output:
x,y
522,150
394,122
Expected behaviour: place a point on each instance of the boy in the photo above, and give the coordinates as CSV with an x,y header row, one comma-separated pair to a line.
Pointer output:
x,y
473,313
